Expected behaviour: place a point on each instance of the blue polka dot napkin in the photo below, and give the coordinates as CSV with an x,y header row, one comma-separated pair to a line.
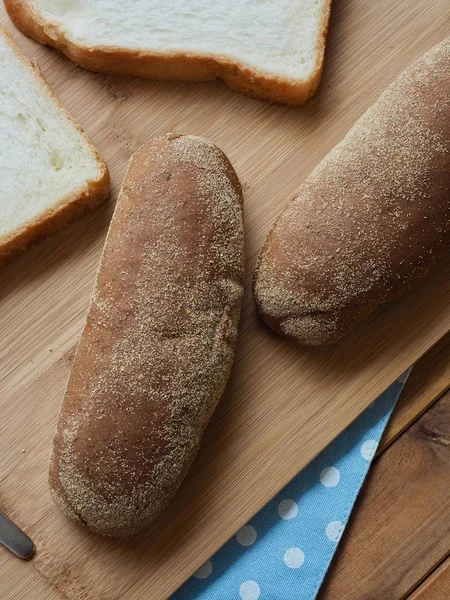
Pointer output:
x,y
286,549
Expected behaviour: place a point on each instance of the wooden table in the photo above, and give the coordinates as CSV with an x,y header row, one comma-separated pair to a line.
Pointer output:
x,y
397,544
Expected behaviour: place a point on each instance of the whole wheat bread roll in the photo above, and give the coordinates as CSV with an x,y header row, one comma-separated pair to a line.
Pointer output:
x,y
372,218
159,340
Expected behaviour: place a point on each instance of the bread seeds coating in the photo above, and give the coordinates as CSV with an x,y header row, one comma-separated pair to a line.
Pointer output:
x,y
159,340
372,218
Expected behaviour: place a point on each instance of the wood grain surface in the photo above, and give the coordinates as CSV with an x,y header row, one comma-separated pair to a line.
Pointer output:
x,y
283,404
436,586
400,530
20,581
429,379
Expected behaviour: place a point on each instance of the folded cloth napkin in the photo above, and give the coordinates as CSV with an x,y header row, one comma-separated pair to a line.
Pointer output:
x,y
284,552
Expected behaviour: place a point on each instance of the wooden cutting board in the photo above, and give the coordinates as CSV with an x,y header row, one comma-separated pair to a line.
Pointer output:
x,y
283,404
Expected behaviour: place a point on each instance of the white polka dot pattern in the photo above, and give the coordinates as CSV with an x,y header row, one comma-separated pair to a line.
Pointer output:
x,y
205,570
294,558
284,552
334,530
249,590
368,449
288,509
330,477
246,536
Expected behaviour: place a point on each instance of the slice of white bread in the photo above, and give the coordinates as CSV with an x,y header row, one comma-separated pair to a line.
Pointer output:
x,y
49,170
270,49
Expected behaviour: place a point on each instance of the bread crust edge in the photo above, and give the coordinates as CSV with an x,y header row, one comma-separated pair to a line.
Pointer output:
x,y
176,66
71,206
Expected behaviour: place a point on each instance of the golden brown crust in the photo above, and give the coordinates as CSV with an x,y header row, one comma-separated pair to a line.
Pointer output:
x,y
158,344
372,218
70,207
172,65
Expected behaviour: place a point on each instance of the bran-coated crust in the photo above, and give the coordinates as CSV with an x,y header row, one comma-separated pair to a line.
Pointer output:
x,y
371,220
73,205
159,340
175,65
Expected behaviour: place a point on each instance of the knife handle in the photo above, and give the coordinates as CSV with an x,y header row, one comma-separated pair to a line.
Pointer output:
x,y
15,539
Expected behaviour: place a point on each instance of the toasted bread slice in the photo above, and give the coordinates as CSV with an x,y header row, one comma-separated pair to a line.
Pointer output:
x,y
272,50
49,170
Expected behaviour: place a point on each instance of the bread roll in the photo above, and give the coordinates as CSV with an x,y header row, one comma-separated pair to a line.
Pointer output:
x,y
371,219
159,340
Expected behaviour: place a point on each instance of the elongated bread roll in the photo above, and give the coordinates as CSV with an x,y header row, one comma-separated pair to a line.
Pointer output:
x,y
159,340
372,218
